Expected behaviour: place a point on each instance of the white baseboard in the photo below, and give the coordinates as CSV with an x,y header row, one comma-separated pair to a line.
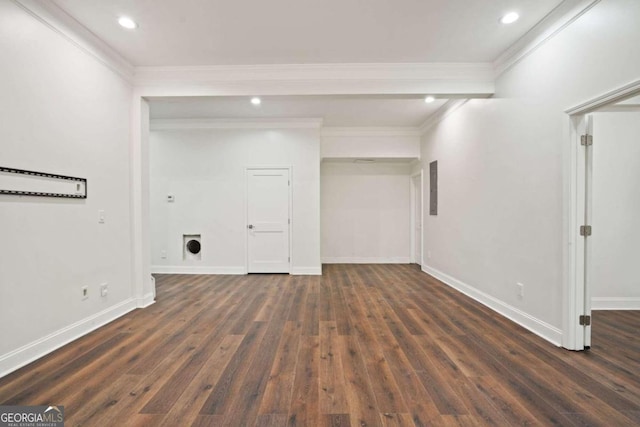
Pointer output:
x,y
26,354
180,269
147,300
615,303
306,271
537,326
191,269
366,260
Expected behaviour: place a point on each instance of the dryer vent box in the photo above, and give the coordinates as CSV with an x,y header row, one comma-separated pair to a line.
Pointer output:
x,y
191,247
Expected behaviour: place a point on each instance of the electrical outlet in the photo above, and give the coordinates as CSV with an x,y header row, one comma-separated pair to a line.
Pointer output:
x,y
163,254
104,289
100,217
520,288
85,292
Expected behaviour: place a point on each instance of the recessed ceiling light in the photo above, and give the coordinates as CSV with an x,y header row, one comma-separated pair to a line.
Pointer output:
x,y
127,22
429,99
255,100
510,18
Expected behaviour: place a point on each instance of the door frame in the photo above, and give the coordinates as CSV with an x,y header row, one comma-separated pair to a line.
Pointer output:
x,y
414,256
247,168
576,255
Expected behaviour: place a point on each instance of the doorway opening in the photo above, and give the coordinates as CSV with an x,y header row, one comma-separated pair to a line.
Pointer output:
x,y
602,193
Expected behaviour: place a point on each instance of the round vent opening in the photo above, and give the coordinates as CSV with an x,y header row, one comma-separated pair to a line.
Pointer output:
x,y
193,246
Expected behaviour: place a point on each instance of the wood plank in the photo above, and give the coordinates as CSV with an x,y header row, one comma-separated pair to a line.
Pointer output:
x,y
373,344
333,397
304,409
362,401
389,419
277,396
187,407
335,420
230,381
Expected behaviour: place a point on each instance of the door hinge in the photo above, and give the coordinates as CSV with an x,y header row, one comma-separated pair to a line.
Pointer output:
x,y
289,259
585,230
585,320
586,140
289,221
289,182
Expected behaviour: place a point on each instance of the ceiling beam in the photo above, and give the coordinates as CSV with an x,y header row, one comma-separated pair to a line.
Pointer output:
x,y
459,80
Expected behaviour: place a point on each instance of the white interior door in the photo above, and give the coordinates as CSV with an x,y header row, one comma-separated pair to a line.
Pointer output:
x,y
268,221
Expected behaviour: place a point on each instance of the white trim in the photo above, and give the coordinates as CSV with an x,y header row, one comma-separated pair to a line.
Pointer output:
x,y
464,79
371,131
58,20
279,123
533,324
189,269
551,25
573,246
141,279
366,260
414,219
442,113
148,299
614,303
26,354
306,271
477,71
605,99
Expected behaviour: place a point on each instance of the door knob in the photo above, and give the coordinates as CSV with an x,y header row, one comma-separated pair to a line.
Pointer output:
x,y
250,226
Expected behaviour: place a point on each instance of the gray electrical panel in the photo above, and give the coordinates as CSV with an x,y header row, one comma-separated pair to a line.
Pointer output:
x,y
433,188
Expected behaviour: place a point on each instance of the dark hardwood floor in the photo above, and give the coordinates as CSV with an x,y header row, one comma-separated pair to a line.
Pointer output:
x,y
363,345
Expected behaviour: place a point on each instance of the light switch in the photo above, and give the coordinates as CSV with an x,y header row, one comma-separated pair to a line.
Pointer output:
x,y
101,217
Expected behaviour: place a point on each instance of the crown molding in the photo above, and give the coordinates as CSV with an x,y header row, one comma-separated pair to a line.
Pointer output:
x,y
371,131
551,25
464,79
51,15
442,113
279,123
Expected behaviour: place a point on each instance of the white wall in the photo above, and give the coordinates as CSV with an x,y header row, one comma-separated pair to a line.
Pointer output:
x,y
63,112
500,164
616,205
389,143
204,170
366,211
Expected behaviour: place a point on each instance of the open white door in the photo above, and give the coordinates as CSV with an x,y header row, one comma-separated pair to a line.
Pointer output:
x,y
586,149
268,221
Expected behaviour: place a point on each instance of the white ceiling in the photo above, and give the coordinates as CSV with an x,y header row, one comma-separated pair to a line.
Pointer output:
x,y
242,32
236,32
358,111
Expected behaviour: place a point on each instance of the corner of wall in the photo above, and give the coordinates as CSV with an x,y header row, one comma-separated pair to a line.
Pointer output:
x,y
537,326
24,355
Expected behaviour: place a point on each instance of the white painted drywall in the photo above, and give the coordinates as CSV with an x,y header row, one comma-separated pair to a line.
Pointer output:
x,y
204,170
615,242
63,112
366,212
500,163
382,143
